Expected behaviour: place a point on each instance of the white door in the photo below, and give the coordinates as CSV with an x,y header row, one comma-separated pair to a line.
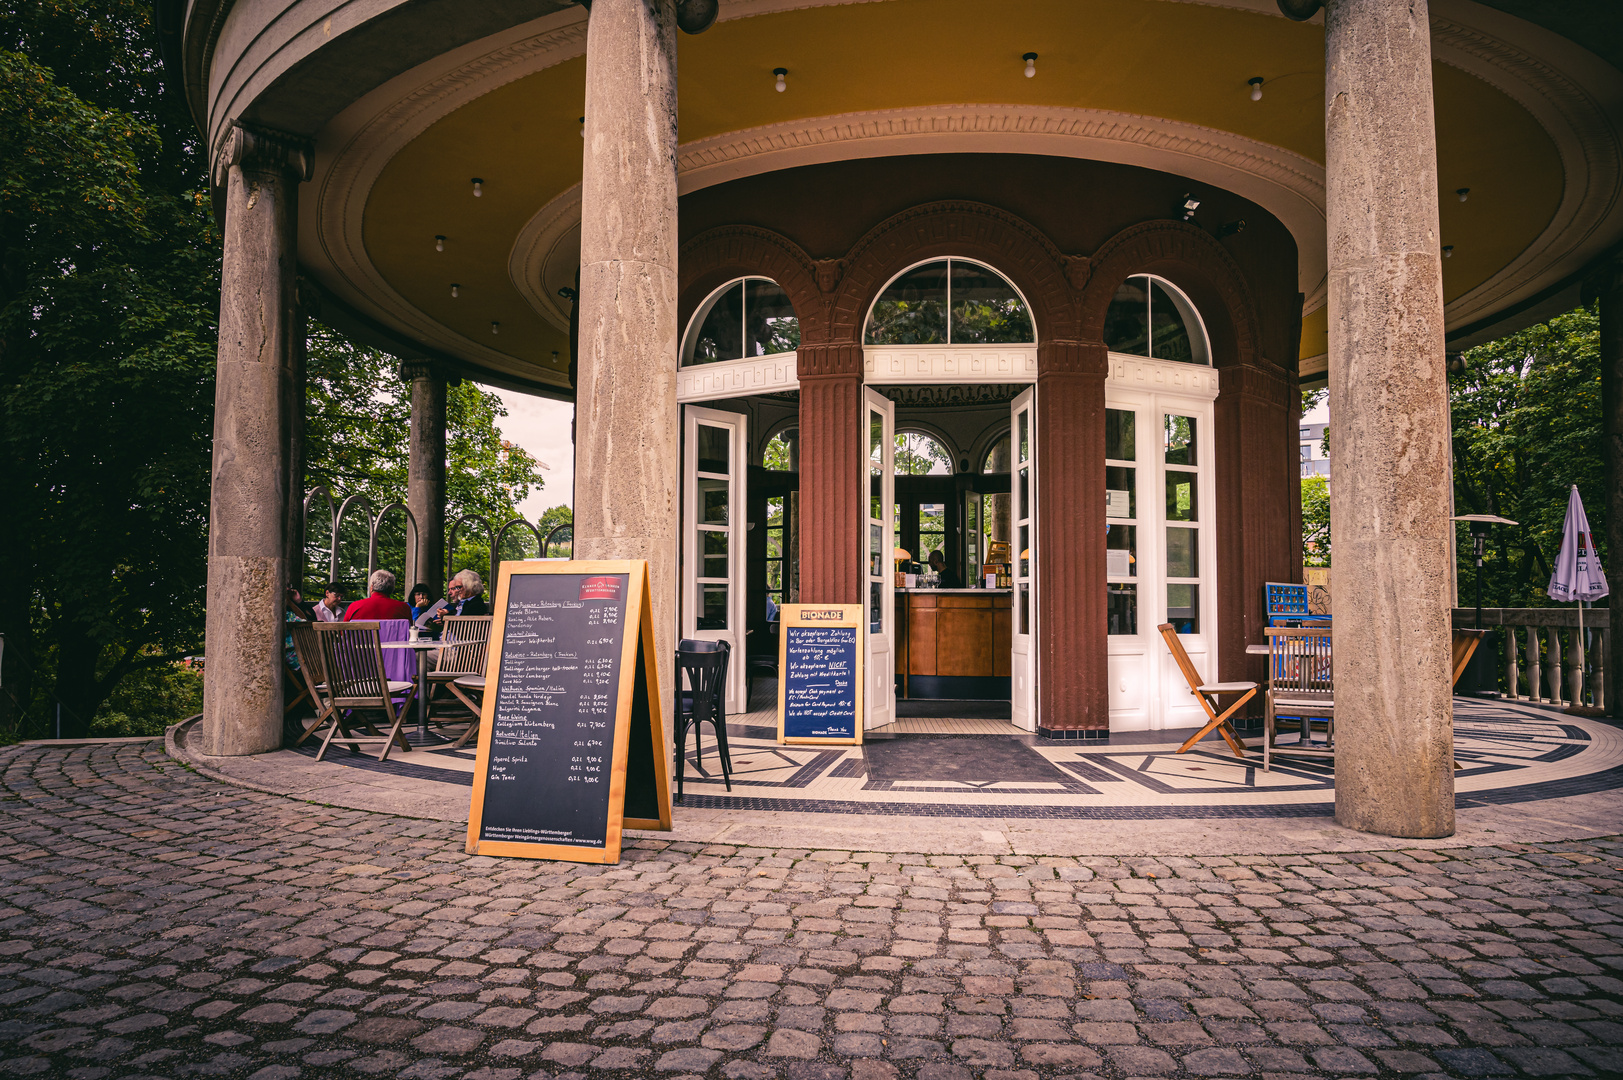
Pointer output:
x,y
1023,522
879,597
714,541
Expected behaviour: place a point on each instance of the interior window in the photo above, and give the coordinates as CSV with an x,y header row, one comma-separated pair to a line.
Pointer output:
x,y
746,318
950,301
1149,316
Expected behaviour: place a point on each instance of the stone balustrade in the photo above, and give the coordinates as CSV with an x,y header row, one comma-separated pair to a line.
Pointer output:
x,y
1541,657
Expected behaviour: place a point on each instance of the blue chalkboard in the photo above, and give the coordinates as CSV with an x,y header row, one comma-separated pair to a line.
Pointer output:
x,y
821,693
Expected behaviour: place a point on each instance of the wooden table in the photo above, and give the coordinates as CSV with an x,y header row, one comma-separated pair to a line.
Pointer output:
x,y
423,648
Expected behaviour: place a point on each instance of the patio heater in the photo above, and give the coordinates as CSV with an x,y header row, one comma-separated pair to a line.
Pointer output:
x,y
1479,539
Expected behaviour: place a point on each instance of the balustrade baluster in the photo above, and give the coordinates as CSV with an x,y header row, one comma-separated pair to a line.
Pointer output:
x,y
1535,685
1552,665
1512,673
1575,667
1595,650
1604,676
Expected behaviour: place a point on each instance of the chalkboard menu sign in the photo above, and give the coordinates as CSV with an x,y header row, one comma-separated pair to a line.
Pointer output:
x,y
573,746
820,659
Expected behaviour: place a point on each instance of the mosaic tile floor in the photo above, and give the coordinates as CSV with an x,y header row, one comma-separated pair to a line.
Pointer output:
x,y
978,768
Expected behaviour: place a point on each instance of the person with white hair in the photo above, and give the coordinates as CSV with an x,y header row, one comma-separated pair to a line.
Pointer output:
x,y
469,594
379,604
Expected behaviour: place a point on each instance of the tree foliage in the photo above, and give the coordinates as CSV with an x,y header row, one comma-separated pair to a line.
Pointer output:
x,y
108,294
1315,521
357,443
1527,426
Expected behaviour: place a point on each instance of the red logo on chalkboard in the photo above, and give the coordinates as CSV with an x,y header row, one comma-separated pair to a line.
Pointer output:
x,y
601,588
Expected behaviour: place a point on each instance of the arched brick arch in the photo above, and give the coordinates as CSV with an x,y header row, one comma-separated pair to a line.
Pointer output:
x,y
971,230
1190,258
719,255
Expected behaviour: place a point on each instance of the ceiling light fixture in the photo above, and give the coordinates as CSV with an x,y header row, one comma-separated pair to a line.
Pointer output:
x,y
456,290
1448,251
495,328
478,187
583,127
439,243
1256,87
782,83
1031,65
1190,205
1463,193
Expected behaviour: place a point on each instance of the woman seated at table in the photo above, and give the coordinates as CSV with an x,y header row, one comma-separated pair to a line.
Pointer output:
x,y
421,600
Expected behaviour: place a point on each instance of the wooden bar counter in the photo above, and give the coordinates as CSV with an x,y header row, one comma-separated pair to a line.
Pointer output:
x,y
953,643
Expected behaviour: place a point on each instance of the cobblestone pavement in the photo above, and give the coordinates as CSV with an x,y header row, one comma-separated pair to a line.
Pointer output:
x,y
157,923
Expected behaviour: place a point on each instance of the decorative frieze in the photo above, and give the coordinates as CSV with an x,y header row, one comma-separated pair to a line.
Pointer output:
x,y
1143,373
930,363
736,378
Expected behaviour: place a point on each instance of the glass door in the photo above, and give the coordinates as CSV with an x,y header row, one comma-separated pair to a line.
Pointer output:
x,y
1023,514
713,539
879,424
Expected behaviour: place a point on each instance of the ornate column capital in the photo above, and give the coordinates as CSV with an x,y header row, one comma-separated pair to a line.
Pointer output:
x,y
262,150
427,368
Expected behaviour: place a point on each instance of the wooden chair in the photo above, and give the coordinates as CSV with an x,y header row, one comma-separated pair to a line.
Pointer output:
x,y
705,701
352,656
463,686
313,673
1301,685
1465,643
466,638
1209,695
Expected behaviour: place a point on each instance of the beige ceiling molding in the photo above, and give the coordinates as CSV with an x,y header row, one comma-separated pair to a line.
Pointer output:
x,y
1289,186
1578,99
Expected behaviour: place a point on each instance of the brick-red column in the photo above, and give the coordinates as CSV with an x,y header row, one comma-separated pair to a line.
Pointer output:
x,y
1258,511
832,457
1072,680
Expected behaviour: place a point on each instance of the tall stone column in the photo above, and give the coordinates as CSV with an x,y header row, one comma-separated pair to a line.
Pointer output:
x,y
305,304
1607,284
626,424
247,569
425,475
1389,424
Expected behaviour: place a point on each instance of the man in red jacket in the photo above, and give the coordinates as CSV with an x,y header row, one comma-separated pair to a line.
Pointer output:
x,y
378,605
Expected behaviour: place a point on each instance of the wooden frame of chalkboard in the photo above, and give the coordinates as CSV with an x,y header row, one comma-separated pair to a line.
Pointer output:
x,y
795,723
529,701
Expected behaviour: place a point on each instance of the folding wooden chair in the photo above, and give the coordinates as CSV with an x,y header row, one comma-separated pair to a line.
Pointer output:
x,y
1301,685
313,673
465,639
463,686
1208,694
352,656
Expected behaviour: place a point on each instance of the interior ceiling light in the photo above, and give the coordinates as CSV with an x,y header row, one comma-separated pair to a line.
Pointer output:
x,y
1031,65
495,328
1190,205
1448,251
1464,193
1256,87
583,127
456,290
782,76
478,187
439,243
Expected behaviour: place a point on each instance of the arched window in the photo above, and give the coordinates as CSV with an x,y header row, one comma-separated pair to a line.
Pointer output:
x,y
950,302
1152,317
745,318
918,454
778,455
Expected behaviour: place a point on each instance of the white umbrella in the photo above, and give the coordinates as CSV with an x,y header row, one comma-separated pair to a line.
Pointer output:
x,y
1577,574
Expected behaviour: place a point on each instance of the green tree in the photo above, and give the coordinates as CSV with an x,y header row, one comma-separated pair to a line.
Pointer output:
x,y
1315,521
1527,424
357,438
917,455
108,293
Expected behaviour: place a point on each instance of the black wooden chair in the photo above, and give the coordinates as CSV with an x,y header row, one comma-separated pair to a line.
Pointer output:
x,y
704,663
760,660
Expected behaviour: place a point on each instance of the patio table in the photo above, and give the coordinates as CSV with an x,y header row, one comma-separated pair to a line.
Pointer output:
x,y
423,647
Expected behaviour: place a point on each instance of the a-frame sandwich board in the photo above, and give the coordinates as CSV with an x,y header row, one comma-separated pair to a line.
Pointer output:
x,y
572,747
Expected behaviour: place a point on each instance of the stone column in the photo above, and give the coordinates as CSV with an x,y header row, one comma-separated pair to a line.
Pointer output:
x,y
247,568
1389,424
627,431
425,478
1607,284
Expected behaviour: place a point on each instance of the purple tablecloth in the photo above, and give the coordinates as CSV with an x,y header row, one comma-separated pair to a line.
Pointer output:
x,y
398,664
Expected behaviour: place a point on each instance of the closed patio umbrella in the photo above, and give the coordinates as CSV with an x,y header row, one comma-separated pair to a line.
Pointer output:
x,y
1577,574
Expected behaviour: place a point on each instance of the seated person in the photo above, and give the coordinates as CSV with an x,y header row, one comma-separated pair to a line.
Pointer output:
x,y
421,599
331,601
296,605
946,578
379,605
469,599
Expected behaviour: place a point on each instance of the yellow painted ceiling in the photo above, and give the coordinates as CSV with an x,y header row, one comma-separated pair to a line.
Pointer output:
x,y
1181,61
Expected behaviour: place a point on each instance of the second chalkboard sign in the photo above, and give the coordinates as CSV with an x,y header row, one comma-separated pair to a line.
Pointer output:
x,y
820,661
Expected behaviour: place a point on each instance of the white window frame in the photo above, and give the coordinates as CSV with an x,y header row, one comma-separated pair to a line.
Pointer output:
x,y
1188,309
897,365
